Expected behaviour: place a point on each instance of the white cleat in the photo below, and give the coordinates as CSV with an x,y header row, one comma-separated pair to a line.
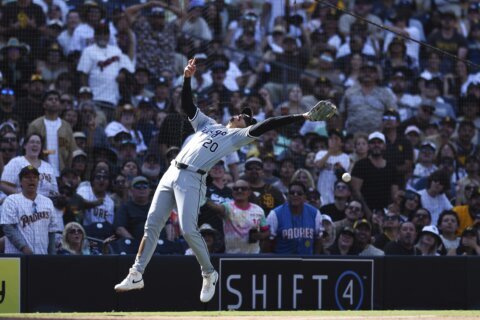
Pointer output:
x,y
134,281
208,286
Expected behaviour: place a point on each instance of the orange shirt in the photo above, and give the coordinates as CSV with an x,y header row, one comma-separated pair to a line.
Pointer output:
x,y
464,217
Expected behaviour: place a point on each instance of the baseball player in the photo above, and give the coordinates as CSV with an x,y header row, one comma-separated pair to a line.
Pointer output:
x,y
184,185
28,218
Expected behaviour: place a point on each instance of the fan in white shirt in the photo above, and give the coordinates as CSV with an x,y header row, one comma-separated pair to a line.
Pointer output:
x,y
433,198
33,146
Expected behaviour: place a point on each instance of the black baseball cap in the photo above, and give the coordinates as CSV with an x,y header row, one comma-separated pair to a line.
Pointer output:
x,y
249,119
336,132
27,170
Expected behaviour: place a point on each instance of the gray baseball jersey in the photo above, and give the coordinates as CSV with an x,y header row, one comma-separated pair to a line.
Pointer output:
x,y
211,142
35,219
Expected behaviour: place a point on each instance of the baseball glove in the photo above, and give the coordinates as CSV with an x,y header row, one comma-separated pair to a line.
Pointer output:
x,y
323,110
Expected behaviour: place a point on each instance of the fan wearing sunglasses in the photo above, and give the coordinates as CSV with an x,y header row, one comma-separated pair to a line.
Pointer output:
x,y
295,226
244,222
74,240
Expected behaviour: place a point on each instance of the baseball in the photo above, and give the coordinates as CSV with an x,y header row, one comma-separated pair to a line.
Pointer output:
x,y
346,177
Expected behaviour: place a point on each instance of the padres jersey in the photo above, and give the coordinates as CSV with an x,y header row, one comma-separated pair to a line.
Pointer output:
x,y
295,233
47,185
101,213
237,225
211,142
35,219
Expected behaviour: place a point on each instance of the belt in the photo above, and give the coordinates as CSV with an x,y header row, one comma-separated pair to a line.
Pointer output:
x,y
187,167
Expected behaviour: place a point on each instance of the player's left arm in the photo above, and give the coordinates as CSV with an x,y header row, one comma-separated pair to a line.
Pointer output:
x,y
273,123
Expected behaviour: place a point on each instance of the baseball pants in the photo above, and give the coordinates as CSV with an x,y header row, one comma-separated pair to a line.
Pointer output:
x,y
185,189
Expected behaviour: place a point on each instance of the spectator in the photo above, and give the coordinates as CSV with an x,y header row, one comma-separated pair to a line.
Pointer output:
x,y
33,153
360,147
342,194
296,227
448,223
390,226
466,184
353,212
66,36
8,146
125,121
30,107
429,241
270,169
7,105
210,236
410,203
56,133
100,64
405,245
104,212
363,106
433,198
374,179
74,240
469,243
363,238
24,20
422,118
332,164
84,34
303,176
195,25
267,196
244,222
328,235
16,66
287,169
28,218
463,144
295,152
218,192
52,66
421,218
345,243
468,214
425,165
130,219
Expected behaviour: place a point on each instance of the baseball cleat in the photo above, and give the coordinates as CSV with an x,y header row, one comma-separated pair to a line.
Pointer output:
x,y
208,286
133,281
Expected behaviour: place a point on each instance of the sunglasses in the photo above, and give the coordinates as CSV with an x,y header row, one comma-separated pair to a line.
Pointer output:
x,y
389,118
392,218
75,231
141,186
241,189
254,169
8,92
9,139
7,150
296,193
101,177
341,187
354,208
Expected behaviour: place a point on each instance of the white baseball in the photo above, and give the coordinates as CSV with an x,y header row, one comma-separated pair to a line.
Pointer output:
x,y
346,177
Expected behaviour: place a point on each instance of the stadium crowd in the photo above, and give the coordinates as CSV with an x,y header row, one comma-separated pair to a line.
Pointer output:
x,y
90,118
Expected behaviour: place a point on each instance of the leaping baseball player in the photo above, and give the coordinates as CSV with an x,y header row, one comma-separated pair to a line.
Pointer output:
x,y
184,183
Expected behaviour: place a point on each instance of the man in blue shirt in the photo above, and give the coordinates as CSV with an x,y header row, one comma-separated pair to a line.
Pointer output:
x,y
296,227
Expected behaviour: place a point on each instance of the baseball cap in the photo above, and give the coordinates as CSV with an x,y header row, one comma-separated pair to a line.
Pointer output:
x,y
279,29
207,228
127,142
200,56
85,89
411,129
392,112
161,81
171,150
337,132
323,81
253,160
362,222
347,230
139,180
196,4
219,163
448,121
157,11
376,135
79,134
78,153
36,77
429,144
250,120
470,230
219,65
28,170
433,230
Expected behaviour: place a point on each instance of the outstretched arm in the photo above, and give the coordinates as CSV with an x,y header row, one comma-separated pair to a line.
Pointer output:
x,y
323,110
273,123
187,98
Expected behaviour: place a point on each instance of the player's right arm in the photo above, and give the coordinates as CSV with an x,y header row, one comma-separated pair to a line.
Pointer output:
x,y
187,98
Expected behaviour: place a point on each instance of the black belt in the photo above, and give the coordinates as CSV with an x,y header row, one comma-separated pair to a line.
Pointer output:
x,y
186,166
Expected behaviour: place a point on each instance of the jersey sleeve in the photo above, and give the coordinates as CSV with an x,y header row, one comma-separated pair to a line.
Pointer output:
x,y
200,121
10,172
272,222
9,212
241,137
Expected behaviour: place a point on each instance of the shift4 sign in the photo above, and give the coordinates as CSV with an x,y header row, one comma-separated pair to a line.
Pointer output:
x,y
296,284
